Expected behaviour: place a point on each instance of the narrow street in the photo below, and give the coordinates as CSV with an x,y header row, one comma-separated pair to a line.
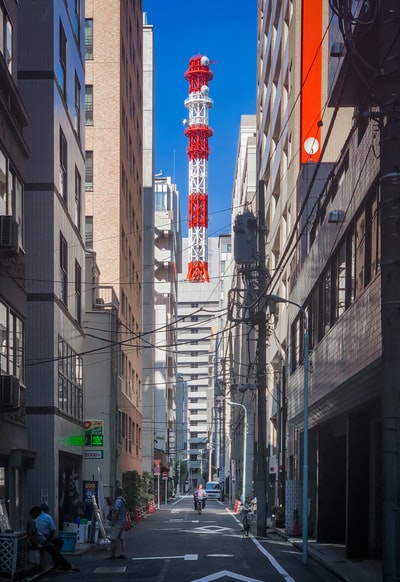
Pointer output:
x,y
176,544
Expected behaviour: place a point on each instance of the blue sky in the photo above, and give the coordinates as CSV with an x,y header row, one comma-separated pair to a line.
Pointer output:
x,y
225,31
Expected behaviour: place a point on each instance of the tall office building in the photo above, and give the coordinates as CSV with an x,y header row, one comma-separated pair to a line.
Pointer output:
x,y
148,246
322,198
198,312
16,455
167,265
294,158
51,80
241,339
113,185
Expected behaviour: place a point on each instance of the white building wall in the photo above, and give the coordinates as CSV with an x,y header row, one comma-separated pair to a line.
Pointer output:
x,y
148,247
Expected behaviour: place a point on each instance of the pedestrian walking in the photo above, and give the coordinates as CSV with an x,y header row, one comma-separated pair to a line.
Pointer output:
x,y
117,533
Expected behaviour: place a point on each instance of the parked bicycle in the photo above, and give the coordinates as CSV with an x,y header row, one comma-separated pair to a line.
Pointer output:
x,y
247,520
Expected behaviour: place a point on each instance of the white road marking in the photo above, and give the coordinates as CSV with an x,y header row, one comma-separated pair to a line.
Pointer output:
x,y
214,528
184,557
227,573
273,561
110,570
269,556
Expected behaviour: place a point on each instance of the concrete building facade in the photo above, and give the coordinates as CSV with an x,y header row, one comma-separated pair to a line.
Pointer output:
x,y
114,190
148,247
198,326
167,266
16,455
51,79
323,254
240,336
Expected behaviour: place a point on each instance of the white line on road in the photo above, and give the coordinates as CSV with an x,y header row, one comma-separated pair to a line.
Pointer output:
x,y
184,557
274,562
269,556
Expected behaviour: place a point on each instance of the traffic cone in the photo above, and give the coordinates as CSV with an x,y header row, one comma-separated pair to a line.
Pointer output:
x,y
296,527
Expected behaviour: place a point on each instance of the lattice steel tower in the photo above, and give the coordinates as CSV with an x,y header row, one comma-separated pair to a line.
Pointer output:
x,y
198,103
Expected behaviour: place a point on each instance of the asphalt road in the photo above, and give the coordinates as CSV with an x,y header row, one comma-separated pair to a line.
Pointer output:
x,y
175,544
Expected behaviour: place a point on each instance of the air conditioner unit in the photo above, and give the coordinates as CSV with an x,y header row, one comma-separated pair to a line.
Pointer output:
x,y
8,234
99,301
9,392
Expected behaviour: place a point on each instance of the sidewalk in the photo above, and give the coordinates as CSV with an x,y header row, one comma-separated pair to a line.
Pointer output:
x,y
332,557
37,572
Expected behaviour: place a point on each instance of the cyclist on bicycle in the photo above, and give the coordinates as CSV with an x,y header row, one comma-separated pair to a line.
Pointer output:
x,y
199,493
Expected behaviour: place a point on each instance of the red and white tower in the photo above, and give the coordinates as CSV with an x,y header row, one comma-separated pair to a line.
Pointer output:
x,y
198,103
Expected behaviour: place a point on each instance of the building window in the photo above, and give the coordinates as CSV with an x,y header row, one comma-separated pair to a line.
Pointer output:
x,y
194,318
63,270
89,105
6,38
70,384
194,305
194,330
4,202
89,39
62,65
89,232
63,165
76,23
78,198
194,365
77,116
11,343
78,292
360,231
11,195
89,171
375,236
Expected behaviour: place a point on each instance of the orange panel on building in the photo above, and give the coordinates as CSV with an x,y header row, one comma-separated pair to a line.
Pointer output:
x,y
311,80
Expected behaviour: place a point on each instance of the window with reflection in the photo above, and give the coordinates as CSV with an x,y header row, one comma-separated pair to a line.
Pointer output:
x,y
70,380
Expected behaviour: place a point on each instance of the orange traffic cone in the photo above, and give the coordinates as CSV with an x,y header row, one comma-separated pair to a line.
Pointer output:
x,y
296,527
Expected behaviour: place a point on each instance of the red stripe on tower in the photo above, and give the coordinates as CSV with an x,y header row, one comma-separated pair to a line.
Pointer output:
x,y
197,131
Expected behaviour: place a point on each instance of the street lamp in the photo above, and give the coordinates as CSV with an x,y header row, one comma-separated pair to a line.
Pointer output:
x,y
230,403
277,299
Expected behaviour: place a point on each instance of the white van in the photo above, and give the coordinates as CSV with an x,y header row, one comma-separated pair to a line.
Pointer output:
x,y
213,490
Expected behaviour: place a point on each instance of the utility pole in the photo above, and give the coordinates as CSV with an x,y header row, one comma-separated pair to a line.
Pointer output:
x,y
389,104
261,473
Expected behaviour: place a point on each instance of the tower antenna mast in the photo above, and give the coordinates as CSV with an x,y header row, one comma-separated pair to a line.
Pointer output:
x,y
197,130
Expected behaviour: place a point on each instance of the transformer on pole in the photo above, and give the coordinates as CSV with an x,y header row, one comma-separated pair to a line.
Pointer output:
x,y
197,130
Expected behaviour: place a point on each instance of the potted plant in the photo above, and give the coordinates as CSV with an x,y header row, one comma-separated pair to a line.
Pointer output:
x,y
278,515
